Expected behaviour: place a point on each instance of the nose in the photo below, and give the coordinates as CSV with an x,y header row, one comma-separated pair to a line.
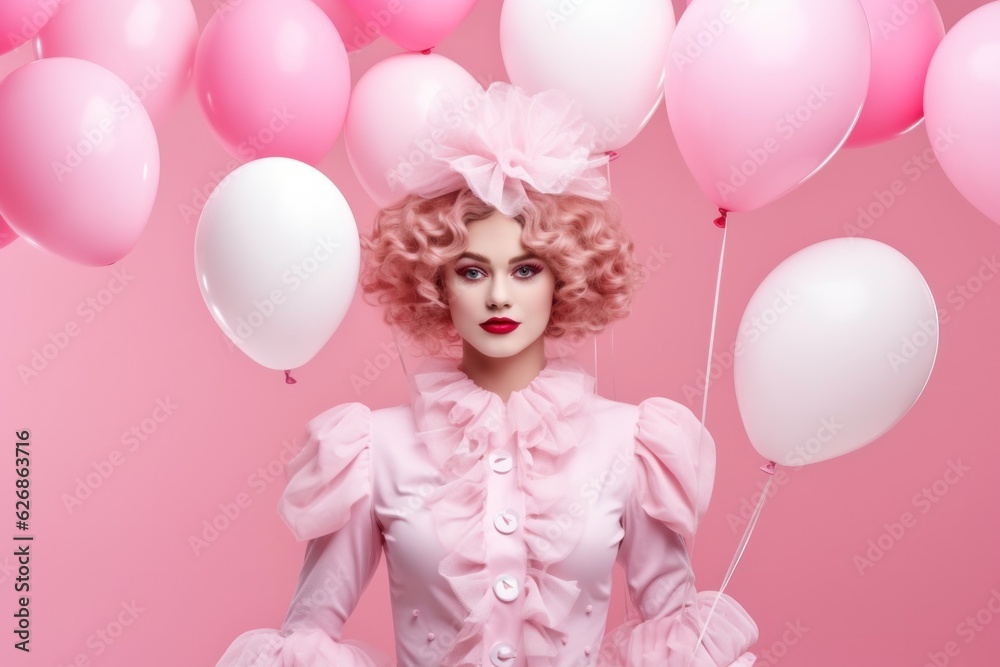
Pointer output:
x,y
498,296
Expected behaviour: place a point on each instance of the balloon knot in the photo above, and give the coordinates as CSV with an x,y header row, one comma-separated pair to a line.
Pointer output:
x,y
288,378
612,156
769,467
720,222
425,51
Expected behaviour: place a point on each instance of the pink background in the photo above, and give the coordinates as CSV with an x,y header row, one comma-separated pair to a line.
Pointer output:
x,y
127,545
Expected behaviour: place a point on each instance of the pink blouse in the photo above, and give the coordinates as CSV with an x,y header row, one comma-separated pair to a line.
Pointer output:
x,y
501,523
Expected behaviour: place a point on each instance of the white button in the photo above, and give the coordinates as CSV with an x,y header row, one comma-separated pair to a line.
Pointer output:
x,y
502,654
501,461
505,586
505,521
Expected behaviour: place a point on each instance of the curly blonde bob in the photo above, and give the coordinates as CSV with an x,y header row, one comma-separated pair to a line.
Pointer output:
x,y
582,240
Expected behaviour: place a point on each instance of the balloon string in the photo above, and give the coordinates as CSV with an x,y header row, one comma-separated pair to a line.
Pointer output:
x,y
614,397
715,317
596,369
689,583
738,555
614,386
711,344
402,355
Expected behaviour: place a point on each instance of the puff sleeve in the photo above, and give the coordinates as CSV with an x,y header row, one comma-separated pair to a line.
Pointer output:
x,y
674,476
328,502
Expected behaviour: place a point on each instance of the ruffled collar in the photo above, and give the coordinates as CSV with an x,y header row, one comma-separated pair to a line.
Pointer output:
x,y
546,422
455,417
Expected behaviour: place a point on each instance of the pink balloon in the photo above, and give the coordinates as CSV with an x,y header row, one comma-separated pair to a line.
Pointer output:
x,y
387,118
904,36
7,235
355,32
149,44
79,165
20,20
413,24
962,106
762,93
273,79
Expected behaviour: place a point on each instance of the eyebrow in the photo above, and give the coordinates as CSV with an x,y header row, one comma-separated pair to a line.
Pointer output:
x,y
485,260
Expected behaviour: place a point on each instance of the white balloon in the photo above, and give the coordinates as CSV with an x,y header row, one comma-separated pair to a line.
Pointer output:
x,y
386,131
834,348
607,54
277,256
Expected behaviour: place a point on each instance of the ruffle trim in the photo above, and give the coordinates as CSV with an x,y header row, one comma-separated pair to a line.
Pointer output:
x,y
455,419
300,648
676,456
330,474
673,640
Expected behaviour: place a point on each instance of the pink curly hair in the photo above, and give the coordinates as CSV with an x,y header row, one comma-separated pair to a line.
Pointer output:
x,y
582,240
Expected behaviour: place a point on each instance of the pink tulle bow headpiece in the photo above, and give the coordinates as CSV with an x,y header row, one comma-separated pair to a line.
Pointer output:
x,y
502,141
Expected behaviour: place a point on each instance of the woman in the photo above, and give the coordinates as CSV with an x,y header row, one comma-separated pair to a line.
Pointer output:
x,y
504,492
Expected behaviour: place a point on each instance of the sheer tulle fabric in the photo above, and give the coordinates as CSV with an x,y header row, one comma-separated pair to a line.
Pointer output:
x,y
674,480
671,641
329,502
329,483
301,648
330,475
501,140
455,419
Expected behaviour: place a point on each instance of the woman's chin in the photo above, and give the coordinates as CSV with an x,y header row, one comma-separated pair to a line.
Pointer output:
x,y
500,346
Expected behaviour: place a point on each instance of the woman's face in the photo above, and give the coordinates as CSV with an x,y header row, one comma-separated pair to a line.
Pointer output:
x,y
497,278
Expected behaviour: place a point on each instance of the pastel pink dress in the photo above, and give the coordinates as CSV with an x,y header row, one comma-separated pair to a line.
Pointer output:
x,y
501,523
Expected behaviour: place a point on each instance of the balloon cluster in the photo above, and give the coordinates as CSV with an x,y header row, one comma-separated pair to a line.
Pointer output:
x,y
839,341
760,95
79,158
810,358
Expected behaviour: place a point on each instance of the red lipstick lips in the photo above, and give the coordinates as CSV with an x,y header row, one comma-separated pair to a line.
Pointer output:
x,y
499,325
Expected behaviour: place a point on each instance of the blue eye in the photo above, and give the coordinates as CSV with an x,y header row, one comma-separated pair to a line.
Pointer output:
x,y
464,273
522,272
533,270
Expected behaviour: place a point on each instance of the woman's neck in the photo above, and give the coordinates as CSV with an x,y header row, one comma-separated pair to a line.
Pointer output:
x,y
503,375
